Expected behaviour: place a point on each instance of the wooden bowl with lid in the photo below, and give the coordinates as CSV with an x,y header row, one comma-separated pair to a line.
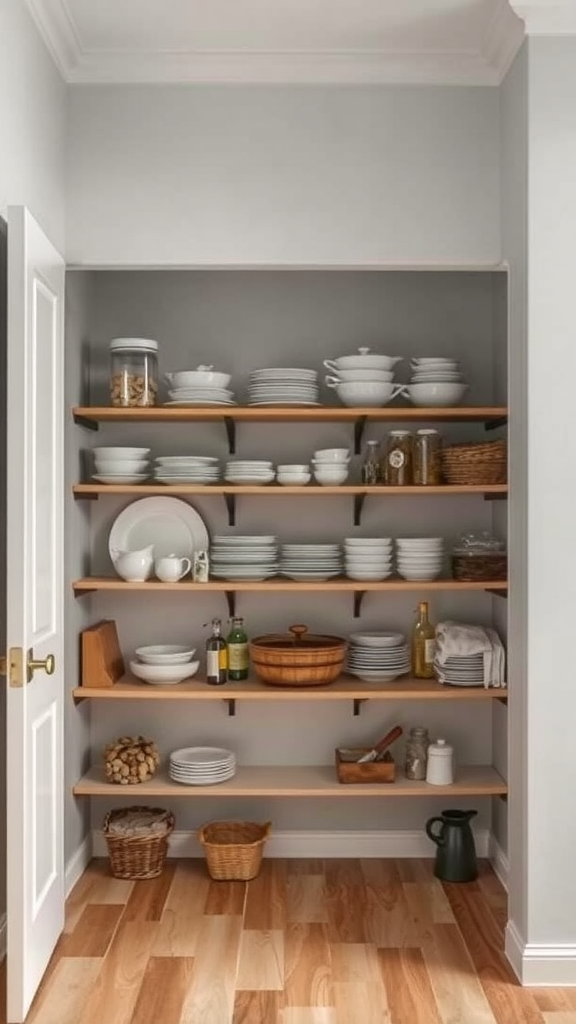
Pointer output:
x,y
298,658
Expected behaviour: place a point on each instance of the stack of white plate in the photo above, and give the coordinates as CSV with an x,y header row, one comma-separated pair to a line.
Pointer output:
x,y
201,396
186,469
378,656
368,558
464,670
248,558
121,465
249,471
420,558
311,562
283,386
202,766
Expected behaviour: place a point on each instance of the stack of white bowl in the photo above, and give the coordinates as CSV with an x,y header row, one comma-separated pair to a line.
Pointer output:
x,y
283,386
436,381
368,558
331,466
377,656
187,469
365,379
203,386
293,475
164,663
121,465
310,562
420,558
249,471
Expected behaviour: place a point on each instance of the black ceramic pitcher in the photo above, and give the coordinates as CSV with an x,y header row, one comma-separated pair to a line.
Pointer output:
x,y
456,853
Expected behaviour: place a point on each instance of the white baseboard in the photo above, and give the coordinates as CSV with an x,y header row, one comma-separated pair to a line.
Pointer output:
x,y
367,844
78,863
2,936
499,861
536,965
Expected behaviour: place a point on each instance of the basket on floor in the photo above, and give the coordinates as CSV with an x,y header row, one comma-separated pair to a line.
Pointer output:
x,y
234,848
485,463
140,855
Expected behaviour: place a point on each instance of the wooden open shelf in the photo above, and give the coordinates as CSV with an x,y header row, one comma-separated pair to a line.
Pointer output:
x,y
281,585
360,490
295,781
345,688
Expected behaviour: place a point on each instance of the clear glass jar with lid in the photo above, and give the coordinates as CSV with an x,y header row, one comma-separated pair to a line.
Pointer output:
x,y
427,458
398,460
133,372
416,759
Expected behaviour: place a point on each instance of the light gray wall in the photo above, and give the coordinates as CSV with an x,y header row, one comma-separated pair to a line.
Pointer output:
x,y
514,191
32,120
3,594
238,321
282,175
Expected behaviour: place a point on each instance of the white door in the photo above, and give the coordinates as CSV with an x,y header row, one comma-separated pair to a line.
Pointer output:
x,y
34,600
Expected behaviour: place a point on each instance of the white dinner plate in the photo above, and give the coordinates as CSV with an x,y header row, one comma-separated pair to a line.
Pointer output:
x,y
136,478
170,524
194,403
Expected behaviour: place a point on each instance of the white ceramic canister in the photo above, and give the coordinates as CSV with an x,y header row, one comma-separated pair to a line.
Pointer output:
x,y
440,768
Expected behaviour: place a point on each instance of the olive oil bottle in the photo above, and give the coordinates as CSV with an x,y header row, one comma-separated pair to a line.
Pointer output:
x,y
237,643
216,656
423,644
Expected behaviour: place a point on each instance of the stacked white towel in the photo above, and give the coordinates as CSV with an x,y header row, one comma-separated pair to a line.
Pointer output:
x,y
456,641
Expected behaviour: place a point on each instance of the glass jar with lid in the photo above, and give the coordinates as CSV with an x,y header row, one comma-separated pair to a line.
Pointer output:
x,y
371,464
427,458
416,759
398,459
133,372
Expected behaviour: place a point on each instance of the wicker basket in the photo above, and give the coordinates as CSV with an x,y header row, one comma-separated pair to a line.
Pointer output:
x,y
137,857
234,848
485,463
491,566
298,658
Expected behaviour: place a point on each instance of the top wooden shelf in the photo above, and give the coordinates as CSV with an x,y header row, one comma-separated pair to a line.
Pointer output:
x,y
92,415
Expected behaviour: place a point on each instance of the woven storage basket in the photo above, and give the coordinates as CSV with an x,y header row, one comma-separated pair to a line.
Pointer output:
x,y
485,463
234,848
137,857
488,566
298,658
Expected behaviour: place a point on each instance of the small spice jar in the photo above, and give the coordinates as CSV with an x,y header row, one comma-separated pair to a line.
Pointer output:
x,y
133,372
427,458
416,758
398,461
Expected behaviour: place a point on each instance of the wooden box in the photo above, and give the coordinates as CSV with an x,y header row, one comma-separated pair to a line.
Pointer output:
x,y
348,769
101,662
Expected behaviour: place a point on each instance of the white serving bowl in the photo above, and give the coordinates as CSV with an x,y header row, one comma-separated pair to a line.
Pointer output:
x,y
120,478
332,455
164,673
420,574
367,541
165,654
126,467
331,476
368,576
293,479
113,454
367,393
364,359
438,395
365,561
419,541
348,376
293,469
198,378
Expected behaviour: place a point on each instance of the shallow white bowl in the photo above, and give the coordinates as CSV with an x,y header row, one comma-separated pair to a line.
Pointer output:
x,y
352,574
327,478
120,453
364,359
375,562
438,395
293,469
120,478
367,542
164,673
415,541
165,654
198,378
366,393
332,455
125,466
382,376
293,479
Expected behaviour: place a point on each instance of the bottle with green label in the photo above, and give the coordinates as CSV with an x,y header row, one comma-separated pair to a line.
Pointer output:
x,y
237,643
216,656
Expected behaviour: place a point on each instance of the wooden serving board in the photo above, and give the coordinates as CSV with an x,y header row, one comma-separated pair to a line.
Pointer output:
x,y
102,664
348,769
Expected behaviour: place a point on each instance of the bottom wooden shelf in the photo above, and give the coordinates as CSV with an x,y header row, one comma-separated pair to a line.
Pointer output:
x,y
295,781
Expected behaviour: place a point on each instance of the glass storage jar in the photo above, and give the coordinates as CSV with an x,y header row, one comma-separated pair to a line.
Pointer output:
x,y
398,461
417,754
133,372
427,458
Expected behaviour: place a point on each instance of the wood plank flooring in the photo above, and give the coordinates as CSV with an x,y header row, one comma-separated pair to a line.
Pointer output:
x,y
307,942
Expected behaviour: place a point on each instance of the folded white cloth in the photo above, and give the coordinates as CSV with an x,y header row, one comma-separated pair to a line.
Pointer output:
x,y
459,639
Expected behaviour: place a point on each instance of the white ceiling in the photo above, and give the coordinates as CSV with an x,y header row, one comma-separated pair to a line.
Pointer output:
x,y
355,41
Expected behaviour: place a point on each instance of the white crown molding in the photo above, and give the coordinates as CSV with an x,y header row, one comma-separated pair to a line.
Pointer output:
x,y
56,27
547,17
503,38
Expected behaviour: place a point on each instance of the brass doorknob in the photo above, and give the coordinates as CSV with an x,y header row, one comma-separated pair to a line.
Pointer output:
x,y
34,664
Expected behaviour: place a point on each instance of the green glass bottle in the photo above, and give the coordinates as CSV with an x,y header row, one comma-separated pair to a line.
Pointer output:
x,y
237,643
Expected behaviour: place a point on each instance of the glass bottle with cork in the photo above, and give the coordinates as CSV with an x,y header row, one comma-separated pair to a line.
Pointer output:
x,y
371,472
238,657
423,644
216,656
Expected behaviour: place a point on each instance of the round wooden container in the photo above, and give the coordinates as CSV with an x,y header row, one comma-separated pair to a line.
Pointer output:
x,y
298,658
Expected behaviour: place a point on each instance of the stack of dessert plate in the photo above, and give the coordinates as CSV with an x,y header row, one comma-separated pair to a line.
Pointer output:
x,y
202,766
248,558
378,656
283,386
310,562
249,471
368,558
186,469
420,558
464,670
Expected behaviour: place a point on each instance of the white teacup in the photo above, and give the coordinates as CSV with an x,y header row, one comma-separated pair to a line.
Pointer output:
x,y
171,568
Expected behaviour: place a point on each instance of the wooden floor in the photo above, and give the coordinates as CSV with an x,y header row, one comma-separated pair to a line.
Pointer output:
x,y
307,942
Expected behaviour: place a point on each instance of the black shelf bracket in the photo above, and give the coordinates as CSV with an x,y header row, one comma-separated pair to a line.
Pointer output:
x,y
230,425
230,500
359,500
358,598
497,591
359,433
495,497
84,421
86,497
231,702
502,700
357,703
231,599
496,423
